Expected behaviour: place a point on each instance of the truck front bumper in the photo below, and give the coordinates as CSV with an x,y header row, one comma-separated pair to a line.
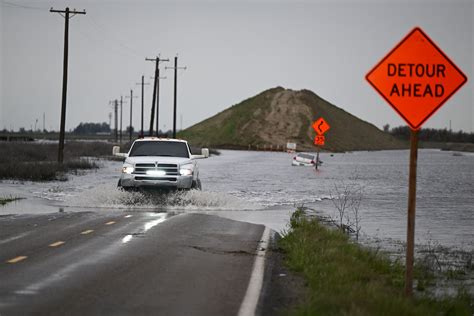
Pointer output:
x,y
165,182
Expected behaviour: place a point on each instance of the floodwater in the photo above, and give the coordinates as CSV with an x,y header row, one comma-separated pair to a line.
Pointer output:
x,y
263,187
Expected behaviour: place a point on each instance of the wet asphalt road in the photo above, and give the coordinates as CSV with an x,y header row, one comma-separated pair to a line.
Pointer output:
x,y
123,263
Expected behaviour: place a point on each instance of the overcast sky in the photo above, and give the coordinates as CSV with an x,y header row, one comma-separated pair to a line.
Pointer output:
x,y
232,50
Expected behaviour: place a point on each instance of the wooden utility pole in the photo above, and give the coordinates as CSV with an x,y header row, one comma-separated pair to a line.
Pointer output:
x,y
143,93
121,117
67,15
157,61
131,111
317,157
115,105
158,101
175,94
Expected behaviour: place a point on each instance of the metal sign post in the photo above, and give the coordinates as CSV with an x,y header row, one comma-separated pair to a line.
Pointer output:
x,y
320,126
410,253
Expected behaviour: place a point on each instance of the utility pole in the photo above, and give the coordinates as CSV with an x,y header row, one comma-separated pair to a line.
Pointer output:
x,y
121,117
155,89
143,90
157,60
175,91
131,111
115,103
158,100
67,15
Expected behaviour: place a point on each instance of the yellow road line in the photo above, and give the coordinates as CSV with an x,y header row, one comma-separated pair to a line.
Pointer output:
x,y
17,259
110,223
87,232
56,244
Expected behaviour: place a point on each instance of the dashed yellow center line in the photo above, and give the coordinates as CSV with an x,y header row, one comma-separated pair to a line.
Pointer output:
x,y
17,259
110,223
57,244
87,232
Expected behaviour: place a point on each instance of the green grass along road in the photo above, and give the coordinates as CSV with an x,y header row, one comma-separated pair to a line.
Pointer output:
x,y
343,278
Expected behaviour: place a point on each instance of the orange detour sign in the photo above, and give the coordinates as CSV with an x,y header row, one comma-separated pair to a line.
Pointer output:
x,y
319,140
416,78
321,126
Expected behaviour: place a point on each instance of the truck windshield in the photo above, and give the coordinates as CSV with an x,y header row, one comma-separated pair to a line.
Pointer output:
x,y
154,148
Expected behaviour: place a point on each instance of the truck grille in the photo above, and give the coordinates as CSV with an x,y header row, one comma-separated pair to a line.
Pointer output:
x,y
170,179
142,168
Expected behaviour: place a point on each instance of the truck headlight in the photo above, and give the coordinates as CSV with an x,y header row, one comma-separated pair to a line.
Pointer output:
x,y
186,170
156,173
128,169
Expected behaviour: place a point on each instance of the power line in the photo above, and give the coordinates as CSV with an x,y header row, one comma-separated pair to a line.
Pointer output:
x,y
20,6
106,33
96,42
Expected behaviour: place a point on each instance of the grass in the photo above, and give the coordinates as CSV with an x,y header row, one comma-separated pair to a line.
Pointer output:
x,y
4,200
343,278
37,162
44,170
226,129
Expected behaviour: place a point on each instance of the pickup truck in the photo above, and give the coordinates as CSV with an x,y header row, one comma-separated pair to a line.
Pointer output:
x,y
160,163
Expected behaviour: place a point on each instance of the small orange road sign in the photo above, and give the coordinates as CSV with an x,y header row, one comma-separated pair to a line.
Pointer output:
x,y
319,140
321,126
416,78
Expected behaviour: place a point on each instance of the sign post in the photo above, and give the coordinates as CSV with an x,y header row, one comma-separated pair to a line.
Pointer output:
x,y
321,127
410,249
416,78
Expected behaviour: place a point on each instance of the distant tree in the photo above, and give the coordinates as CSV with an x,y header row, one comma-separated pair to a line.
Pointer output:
x,y
167,134
386,128
434,135
22,130
128,129
92,128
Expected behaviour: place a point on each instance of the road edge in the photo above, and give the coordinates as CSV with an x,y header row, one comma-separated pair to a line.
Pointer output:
x,y
251,300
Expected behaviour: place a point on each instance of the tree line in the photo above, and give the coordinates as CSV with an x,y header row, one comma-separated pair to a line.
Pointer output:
x,y
431,134
92,128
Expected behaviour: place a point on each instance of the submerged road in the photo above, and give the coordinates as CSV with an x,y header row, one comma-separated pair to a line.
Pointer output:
x,y
123,263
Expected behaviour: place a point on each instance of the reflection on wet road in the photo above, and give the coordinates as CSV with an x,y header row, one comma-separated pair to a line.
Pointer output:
x,y
121,263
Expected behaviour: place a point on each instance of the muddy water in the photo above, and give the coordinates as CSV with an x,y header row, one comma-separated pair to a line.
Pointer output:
x,y
263,187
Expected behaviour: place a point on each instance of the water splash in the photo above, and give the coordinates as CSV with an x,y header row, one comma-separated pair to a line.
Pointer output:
x,y
109,196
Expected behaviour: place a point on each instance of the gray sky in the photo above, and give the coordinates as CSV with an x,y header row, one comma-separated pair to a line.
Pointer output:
x,y
233,50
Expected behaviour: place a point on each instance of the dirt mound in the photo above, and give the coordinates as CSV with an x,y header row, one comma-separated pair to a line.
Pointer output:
x,y
277,116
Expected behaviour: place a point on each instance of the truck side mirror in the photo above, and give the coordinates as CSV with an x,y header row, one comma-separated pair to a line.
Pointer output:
x,y
116,152
205,152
